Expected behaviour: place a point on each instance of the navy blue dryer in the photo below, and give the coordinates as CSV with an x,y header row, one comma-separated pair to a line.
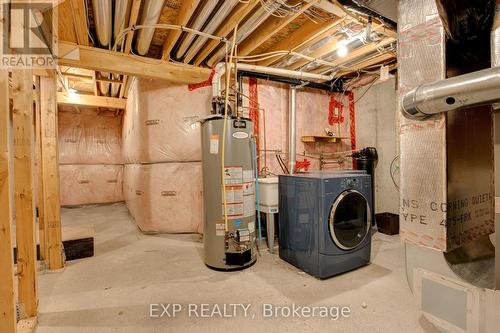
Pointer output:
x,y
325,221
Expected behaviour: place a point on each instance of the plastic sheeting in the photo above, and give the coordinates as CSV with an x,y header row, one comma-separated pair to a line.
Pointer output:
x,y
160,122
90,184
165,197
89,138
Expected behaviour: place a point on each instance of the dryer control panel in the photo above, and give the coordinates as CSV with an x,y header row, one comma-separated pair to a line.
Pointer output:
x,y
355,183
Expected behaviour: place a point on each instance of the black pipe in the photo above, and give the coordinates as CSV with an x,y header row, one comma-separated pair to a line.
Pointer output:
x,y
337,87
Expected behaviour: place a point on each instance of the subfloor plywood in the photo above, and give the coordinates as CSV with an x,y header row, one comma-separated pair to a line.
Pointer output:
x,y
111,292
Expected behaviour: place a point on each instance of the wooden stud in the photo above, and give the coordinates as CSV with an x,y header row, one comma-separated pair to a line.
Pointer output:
x,y
123,86
89,100
50,171
7,294
185,12
268,29
127,64
42,230
236,16
22,95
80,21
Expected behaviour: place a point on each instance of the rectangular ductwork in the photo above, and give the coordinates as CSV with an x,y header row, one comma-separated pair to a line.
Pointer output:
x,y
385,8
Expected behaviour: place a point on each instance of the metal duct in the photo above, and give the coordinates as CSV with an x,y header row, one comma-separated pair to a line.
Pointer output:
x,y
351,44
122,14
198,23
104,86
150,15
364,7
102,18
246,29
115,87
473,89
385,8
216,20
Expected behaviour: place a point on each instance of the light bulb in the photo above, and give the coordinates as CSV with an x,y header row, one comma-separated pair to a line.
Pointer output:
x,y
342,51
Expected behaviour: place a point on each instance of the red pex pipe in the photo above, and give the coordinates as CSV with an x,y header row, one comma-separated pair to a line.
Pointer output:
x,y
352,120
254,112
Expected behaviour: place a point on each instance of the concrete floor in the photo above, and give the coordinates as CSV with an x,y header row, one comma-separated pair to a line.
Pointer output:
x,y
112,291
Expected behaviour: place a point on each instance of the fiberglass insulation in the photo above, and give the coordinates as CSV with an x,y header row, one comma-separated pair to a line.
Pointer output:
x,y
90,156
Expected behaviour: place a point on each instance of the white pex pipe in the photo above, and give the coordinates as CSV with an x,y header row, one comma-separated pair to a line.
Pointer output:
x,y
220,69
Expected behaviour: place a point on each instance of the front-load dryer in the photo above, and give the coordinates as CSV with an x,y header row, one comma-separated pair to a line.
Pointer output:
x,y
325,221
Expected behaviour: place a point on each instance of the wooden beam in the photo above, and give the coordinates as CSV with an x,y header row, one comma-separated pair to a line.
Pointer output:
x,y
117,62
42,230
22,94
90,100
307,33
236,16
7,294
187,9
80,21
50,171
268,29
134,15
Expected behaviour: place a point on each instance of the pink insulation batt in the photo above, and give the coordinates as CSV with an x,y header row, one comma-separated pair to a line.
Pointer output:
x,y
160,122
165,197
89,138
90,156
89,184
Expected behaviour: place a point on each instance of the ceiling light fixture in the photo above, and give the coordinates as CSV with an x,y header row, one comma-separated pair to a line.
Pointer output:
x,y
342,50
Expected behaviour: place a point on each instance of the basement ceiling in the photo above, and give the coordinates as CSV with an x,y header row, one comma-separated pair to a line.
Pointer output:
x,y
315,28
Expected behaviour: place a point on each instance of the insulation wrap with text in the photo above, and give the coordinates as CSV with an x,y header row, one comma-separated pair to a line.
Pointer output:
x,y
229,240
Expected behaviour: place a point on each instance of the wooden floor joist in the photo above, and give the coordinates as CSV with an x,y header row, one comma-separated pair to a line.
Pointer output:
x,y
50,171
7,294
23,128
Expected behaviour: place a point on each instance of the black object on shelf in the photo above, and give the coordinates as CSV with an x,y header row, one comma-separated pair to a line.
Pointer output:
x,y
388,223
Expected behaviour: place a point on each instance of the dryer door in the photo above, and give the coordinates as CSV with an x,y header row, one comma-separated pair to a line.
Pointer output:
x,y
350,219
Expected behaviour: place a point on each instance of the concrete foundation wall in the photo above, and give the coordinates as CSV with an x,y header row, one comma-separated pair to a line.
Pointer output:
x,y
376,116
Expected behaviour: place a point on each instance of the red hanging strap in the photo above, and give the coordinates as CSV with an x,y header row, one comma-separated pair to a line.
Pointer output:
x,y
207,83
